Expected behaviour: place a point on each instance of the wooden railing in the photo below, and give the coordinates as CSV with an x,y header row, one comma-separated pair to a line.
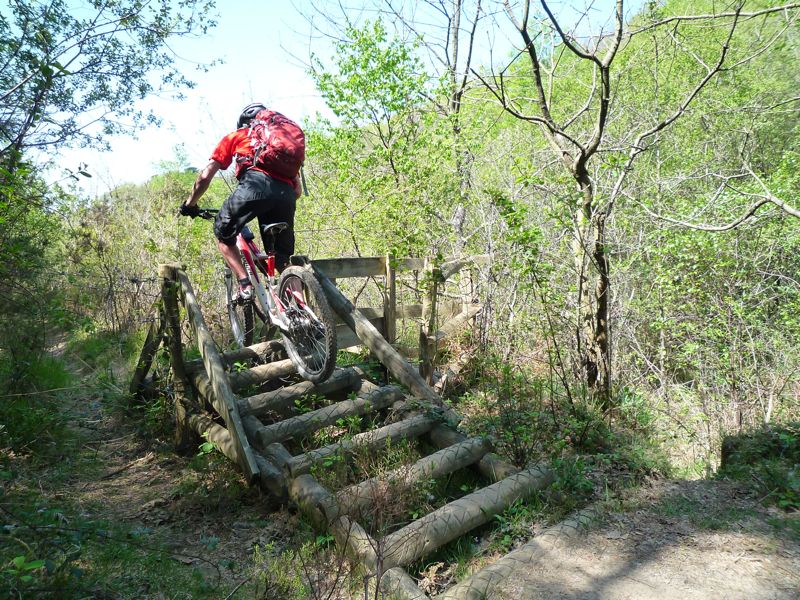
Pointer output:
x,y
454,314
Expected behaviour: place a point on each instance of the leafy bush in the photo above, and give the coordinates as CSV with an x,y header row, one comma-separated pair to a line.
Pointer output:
x,y
28,419
768,461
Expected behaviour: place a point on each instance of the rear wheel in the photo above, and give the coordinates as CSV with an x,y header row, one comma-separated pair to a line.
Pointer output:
x,y
240,313
311,339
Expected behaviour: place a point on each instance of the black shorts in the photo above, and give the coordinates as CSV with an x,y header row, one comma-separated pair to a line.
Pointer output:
x,y
259,196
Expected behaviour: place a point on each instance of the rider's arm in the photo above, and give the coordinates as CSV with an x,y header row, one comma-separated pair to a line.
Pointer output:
x,y
202,182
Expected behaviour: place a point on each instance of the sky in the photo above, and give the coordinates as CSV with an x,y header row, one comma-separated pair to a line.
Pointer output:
x,y
211,108
278,78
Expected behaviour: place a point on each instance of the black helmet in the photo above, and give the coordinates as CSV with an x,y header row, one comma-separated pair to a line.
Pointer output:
x,y
249,112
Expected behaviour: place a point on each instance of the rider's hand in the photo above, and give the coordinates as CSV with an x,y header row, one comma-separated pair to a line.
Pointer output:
x,y
188,211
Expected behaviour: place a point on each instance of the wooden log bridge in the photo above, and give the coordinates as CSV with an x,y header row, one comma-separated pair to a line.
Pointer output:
x,y
327,448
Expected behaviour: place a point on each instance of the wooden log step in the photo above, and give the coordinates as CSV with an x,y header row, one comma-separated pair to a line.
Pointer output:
x,y
270,479
412,427
281,401
327,415
460,516
261,374
255,354
490,466
354,499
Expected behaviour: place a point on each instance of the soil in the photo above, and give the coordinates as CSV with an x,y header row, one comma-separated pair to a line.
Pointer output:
x,y
681,540
667,540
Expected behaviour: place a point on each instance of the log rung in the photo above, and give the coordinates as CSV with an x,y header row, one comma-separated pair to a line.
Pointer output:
x,y
356,498
412,427
327,415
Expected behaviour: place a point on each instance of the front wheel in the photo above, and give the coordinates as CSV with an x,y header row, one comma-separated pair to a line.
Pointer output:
x,y
311,338
240,314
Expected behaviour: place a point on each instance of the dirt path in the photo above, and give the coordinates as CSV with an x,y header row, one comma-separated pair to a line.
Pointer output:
x,y
198,508
677,540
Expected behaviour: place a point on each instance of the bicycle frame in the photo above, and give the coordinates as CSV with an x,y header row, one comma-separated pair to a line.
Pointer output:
x,y
269,304
267,295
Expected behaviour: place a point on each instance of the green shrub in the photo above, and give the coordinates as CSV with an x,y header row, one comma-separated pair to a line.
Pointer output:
x,y
768,461
29,416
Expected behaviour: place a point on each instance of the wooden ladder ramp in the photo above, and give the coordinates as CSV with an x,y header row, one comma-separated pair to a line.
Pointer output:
x,y
275,429
268,422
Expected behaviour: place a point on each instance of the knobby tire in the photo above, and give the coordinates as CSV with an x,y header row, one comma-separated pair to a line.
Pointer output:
x,y
311,340
240,315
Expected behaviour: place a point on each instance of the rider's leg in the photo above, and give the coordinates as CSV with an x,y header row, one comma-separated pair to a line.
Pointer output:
x,y
231,255
240,207
279,207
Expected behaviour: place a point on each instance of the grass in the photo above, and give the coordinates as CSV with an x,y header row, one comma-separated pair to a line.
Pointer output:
x,y
767,461
58,543
64,554
703,515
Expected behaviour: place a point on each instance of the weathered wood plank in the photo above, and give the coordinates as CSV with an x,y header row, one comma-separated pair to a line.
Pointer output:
x,y
347,338
155,335
372,338
337,268
218,377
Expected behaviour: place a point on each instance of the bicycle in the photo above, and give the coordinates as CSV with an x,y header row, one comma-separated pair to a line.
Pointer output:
x,y
294,303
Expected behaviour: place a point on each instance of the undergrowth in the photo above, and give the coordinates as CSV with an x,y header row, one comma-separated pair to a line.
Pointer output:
x,y
767,461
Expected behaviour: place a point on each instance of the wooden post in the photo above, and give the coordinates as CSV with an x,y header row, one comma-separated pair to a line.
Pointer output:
x,y
183,388
427,338
390,301
155,335
212,359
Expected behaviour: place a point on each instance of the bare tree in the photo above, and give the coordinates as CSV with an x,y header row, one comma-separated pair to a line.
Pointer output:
x,y
577,148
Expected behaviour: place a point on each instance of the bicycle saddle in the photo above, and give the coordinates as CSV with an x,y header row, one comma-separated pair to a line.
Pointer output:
x,y
274,228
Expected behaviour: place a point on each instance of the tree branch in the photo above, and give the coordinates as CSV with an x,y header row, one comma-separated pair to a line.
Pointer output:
x,y
703,227
708,17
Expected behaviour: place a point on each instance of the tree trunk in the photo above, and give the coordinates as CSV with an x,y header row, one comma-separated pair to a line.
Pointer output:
x,y
592,265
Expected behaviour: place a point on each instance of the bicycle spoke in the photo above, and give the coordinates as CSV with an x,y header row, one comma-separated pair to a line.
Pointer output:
x,y
310,338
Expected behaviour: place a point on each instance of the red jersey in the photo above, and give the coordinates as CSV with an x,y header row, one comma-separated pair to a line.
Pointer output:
x,y
236,146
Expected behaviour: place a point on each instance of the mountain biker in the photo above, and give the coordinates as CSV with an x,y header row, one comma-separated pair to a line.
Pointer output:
x,y
260,194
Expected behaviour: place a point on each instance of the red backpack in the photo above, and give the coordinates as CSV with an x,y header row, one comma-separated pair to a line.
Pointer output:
x,y
279,145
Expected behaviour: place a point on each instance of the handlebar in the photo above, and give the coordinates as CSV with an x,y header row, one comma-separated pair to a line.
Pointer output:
x,y
208,213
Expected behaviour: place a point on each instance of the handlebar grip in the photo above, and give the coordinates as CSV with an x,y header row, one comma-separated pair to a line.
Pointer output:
x,y
208,213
